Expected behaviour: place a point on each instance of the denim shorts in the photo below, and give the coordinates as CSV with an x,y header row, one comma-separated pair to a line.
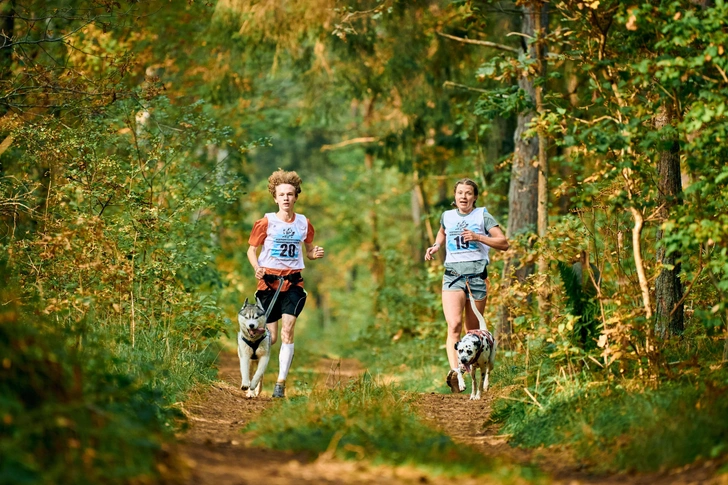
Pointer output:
x,y
476,283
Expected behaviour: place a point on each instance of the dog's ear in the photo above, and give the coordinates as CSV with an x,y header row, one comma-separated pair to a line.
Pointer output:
x,y
456,345
245,303
259,303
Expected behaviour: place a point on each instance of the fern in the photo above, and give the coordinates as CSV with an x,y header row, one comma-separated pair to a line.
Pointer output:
x,y
581,304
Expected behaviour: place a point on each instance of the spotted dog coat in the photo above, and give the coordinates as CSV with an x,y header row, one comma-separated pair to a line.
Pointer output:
x,y
253,346
476,351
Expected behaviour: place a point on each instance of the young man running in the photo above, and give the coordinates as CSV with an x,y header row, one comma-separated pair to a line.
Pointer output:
x,y
283,236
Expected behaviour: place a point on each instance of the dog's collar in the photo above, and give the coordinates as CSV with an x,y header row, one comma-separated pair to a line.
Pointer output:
x,y
474,359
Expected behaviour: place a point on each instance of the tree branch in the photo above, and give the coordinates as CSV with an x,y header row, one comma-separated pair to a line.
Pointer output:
x,y
483,43
62,38
352,141
451,84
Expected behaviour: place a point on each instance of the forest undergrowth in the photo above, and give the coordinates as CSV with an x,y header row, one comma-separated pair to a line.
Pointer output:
x,y
84,407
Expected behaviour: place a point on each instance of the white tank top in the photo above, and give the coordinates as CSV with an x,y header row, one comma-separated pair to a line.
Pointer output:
x,y
458,250
283,246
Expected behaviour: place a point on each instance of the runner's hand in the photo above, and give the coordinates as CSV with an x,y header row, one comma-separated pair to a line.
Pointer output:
x,y
259,273
318,252
431,251
468,235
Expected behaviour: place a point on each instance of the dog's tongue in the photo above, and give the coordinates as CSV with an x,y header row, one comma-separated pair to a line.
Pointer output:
x,y
257,331
467,367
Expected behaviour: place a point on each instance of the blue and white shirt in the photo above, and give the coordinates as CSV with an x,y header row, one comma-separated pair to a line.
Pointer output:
x,y
458,251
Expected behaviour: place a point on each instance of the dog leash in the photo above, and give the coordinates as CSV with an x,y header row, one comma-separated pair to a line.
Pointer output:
x,y
275,297
478,315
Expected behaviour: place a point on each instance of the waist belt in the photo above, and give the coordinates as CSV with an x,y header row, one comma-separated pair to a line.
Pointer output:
x,y
459,276
293,278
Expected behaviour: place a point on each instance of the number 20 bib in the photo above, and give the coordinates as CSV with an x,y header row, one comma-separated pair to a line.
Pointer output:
x,y
283,245
454,225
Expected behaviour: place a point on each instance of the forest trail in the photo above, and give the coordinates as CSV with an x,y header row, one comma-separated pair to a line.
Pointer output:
x,y
219,452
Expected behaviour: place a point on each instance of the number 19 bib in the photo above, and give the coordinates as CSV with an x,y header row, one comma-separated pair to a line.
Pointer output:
x,y
454,224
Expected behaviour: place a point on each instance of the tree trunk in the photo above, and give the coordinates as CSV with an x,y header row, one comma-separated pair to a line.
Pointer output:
x,y
7,32
668,287
420,212
523,190
540,15
377,266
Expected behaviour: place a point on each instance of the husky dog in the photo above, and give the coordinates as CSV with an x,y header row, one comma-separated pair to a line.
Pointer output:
x,y
253,345
476,351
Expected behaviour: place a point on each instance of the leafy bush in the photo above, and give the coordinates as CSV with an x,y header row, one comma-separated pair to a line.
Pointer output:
x,y
66,416
120,265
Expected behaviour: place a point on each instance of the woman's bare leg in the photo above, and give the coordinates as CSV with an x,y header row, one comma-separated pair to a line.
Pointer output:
x,y
452,306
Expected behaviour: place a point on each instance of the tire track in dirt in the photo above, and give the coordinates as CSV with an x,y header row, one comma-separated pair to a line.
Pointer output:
x,y
217,451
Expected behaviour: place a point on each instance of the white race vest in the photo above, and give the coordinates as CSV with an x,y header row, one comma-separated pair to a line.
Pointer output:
x,y
457,249
283,246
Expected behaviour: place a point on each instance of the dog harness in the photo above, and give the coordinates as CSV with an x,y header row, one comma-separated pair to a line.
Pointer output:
x,y
483,335
254,344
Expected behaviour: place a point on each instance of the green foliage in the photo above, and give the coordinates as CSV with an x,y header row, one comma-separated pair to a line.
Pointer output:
x,y
67,416
368,420
126,215
119,262
616,427
110,227
581,302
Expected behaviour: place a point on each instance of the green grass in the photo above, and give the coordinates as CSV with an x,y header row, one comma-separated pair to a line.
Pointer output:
x,y
167,360
617,423
614,428
375,422
79,404
67,417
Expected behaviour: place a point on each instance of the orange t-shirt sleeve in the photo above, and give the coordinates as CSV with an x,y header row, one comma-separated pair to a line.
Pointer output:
x,y
259,232
309,234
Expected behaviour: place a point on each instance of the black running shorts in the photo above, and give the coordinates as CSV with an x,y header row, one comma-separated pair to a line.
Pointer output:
x,y
290,302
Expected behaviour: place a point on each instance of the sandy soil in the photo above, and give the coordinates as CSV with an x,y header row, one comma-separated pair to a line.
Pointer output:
x,y
217,451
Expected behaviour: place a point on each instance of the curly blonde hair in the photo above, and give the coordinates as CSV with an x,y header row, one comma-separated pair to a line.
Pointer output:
x,y
280,177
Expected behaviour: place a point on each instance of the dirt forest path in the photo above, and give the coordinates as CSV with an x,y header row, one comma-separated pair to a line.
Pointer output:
x,y
218,452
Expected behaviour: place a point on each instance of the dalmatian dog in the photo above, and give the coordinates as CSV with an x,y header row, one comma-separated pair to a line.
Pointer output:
x,y
253,346
476,351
